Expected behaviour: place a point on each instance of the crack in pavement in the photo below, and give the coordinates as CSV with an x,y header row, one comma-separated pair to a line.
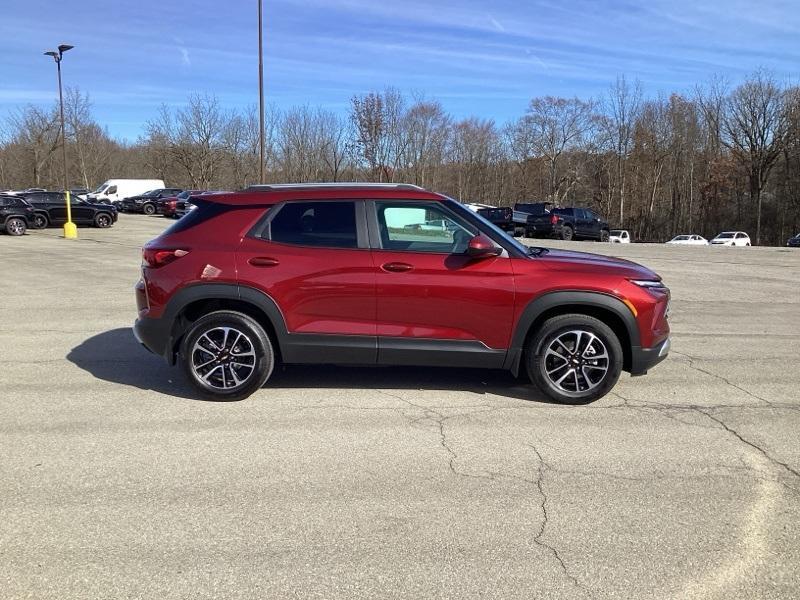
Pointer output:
x,y
539,483
439,419
747,442
692,365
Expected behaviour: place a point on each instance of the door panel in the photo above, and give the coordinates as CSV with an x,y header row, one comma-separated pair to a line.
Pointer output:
x,y
427,287
445,297
318,288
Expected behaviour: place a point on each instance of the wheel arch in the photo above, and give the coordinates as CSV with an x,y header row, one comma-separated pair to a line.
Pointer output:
x,y
608,309
191,303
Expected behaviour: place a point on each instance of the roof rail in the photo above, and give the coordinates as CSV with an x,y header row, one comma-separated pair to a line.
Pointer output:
x,y
266,187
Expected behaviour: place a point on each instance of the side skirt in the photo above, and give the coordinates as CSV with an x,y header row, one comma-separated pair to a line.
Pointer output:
x,y
305,348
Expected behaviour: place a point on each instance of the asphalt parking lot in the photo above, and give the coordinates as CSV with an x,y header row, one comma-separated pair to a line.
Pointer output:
x,y
395,483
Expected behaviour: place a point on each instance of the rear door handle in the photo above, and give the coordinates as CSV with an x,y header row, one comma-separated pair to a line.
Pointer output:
x,y
263,261
397,267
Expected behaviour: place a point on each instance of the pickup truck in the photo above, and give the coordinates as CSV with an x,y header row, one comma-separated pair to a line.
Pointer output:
x,y
568,224
514,221
507,219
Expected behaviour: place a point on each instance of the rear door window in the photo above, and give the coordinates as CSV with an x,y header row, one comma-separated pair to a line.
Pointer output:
x,y
321,224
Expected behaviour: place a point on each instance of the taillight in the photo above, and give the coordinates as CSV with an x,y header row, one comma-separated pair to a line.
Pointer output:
x,y
553,219
158,257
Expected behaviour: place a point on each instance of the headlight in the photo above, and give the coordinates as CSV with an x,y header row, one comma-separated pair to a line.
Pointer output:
x,y
649,284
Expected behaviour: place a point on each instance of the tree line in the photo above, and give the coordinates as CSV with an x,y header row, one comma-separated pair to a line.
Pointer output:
x,y
717,158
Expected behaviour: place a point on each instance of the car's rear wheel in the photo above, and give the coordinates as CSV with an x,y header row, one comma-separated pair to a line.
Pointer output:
x,y
574,359
15,226
149,209
567,233
227,355
103,220
40,221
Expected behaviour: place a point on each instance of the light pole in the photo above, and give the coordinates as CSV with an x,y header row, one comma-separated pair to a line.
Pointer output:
x,y
70,230
260,96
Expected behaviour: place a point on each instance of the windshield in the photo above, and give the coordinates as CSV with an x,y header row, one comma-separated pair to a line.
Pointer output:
x,y
725,236
680,238
101,189
152,193
616,232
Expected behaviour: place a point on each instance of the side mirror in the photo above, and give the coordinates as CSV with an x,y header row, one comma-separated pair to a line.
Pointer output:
x,y
482,247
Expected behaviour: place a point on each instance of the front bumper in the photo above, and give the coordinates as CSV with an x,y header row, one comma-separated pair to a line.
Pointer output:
x,y
643,359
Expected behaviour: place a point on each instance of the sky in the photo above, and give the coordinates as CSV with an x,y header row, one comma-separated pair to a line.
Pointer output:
x,y
478,57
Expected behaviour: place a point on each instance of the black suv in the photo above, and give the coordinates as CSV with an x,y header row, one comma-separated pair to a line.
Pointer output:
x,y
148,202
51,209
16,215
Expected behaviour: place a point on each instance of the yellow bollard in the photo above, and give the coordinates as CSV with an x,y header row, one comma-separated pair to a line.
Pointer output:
x,y
70,229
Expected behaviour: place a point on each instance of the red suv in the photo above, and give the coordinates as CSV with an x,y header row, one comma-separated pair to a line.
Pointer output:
x,y
386,274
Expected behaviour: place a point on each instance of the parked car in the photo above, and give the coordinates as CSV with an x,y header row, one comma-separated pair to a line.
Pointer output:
x,y
114,190
168,206
688,240
16,215
619,236
182,207
731,238
569,224
794,242
50,208
328,274
147,203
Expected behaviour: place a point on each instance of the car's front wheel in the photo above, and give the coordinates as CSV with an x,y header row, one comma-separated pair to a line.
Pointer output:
x,y
103,220
604,236
149,209
574,359
227,355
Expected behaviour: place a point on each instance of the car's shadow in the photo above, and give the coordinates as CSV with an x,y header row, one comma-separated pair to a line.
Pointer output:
x,y
117,357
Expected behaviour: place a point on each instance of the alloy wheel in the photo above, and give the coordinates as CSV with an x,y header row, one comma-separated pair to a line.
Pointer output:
x,y
15,226
576,361
223,358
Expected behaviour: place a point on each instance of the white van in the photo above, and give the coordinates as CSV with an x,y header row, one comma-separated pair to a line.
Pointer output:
x,y
115,190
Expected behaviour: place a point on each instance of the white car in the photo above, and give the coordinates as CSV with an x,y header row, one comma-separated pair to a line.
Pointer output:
x,y
688,240
619,236
731,238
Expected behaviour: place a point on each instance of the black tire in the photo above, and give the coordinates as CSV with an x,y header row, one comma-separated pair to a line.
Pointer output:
x,y
16,226
103,220
40,221
518,232
567,233
207,380
604,236
149,209
543,367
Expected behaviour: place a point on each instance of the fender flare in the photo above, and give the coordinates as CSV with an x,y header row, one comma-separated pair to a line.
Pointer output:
x,y
540,305
217,291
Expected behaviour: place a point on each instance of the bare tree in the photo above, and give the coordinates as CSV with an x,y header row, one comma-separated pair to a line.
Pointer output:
x,y
754,126
556,126
37,132
428,129
623,106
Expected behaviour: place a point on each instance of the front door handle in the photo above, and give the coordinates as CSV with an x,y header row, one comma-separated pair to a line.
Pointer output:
x,y
397,267
263,261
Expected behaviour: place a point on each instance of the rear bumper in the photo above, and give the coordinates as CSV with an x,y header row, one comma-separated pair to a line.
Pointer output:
x,y
643,359
154,334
